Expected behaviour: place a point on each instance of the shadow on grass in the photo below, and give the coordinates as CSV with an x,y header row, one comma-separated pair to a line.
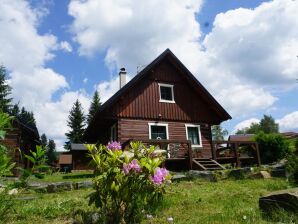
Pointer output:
x,y
280,216
78,176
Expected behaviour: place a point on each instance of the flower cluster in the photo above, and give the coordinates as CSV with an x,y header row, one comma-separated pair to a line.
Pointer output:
x,y
114,146
133,165
159,176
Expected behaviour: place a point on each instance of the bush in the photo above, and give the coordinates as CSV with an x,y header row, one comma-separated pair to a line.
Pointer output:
x,y
128,184
6,204
292,168
273,147
38,167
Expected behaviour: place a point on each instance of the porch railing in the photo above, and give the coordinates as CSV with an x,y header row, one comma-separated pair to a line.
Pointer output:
x,y
236,151
176,149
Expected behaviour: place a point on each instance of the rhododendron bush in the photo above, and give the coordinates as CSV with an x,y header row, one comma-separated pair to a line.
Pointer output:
x,y
128,184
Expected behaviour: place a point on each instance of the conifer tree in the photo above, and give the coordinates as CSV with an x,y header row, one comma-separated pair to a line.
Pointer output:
x,y
95,104
76,124
15,110
27,117
5,91
51,152
43,140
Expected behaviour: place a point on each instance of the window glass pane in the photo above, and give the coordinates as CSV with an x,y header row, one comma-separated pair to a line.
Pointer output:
x,y
166,93
113,133
193,135
158,132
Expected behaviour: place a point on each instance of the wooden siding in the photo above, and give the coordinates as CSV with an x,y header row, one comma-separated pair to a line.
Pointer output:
x,y
142,101
137,129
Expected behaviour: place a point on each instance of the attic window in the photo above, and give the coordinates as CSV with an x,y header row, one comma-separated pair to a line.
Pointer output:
x,y
166,93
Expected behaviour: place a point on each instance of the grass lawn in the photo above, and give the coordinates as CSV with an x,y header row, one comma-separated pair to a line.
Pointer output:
x,y
62,177
187,202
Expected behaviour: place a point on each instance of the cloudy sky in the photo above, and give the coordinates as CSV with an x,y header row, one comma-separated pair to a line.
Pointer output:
x,y
244,52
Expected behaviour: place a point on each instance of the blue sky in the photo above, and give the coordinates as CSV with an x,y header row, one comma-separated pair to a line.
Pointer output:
x,y
244,53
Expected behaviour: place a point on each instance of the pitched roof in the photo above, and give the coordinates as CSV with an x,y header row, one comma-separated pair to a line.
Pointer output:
x,y
76,146
241,137
222,112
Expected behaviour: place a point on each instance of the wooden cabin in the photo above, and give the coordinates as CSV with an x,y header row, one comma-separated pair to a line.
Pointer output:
x,y
21,137
164,104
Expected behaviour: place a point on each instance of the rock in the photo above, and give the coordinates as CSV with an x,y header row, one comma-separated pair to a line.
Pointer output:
x,y
26,198
13,191
238,173
179,177
60,186
260,175
286,199
38,187
207,175
83,184
278,173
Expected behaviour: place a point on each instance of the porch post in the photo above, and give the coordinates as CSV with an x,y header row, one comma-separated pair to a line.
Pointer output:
x,y
258,154
236,155
212,145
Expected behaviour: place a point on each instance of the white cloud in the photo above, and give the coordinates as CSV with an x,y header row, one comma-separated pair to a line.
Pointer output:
x,y
65,46
259,45
289,122
245,124
247,54
85,80
52,116
108,88
134,32
24,53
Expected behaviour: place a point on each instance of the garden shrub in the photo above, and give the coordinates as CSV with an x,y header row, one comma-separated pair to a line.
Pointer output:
x,y
6,202
37,168
292,168
128,185
273,147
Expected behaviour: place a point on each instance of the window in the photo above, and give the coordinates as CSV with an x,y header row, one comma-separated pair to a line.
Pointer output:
x,y
166,93
193,134
158,131
113,133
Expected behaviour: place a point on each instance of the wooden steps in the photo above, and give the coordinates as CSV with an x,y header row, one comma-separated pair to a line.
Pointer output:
x,y
206,164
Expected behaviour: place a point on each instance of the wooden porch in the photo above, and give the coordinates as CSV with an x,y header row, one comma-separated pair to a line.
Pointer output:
x,y
237,153
180,152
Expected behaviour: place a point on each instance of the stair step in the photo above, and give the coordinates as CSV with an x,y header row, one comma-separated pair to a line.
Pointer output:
x,y
207,164
210,164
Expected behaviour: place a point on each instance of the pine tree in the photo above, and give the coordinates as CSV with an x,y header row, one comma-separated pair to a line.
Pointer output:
x,y
43,140
51,152
15,111
5,91
27,117
76,123
95,104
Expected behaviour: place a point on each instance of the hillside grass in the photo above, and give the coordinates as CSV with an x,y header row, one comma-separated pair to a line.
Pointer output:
x,y
186,202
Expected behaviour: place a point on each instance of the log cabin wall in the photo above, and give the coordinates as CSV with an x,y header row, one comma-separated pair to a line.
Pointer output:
x,y
139,129
142,101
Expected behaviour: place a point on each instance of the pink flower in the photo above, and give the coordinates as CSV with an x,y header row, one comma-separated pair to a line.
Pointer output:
x,y
133,165
114,146
159,176
126,168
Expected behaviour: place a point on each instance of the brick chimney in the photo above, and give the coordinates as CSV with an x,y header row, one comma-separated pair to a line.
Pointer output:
x,y
122,77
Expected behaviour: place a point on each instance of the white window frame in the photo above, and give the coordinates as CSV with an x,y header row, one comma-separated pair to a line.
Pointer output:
x,y
159,124
113,131
172,90
199,134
